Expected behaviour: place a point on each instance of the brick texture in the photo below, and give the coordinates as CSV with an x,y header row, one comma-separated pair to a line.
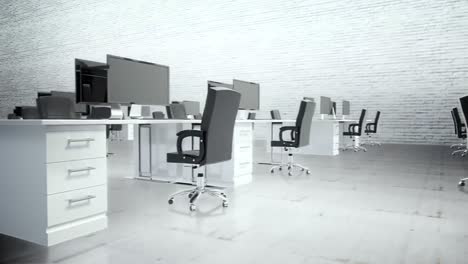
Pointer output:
x,y
407,58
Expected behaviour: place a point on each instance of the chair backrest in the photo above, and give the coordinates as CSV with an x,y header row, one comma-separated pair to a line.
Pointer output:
x,y
458,121
176,111
158,115
275,114
100,112
361,121
304,122
55,107
454,121
218,122
376,121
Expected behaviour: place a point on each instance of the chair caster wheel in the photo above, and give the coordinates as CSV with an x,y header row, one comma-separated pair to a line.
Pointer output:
x,y
463,155
289,173
302,169
192,207
280,168
461,183
272,171
289,168
170,201
223,194
225,204
308,172
190,195
365,150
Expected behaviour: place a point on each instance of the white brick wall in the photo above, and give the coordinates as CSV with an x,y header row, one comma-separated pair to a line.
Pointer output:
x,y
408,58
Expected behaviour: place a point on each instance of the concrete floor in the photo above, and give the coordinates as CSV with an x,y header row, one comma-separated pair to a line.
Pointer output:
x,y
393,204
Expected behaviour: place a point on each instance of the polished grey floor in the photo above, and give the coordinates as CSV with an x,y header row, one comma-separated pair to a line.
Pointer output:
x,y
393,204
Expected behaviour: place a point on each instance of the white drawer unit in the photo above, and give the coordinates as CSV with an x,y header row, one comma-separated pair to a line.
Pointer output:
x,y
54,182
74,205
75,143
78,174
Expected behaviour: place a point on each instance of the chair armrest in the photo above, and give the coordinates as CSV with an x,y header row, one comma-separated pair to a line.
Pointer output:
x,y
189,133
287,128
351,127
369,126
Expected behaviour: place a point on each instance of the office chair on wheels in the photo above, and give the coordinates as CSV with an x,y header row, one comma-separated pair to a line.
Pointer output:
x,y
461,133
371,128
299,134
355,132
216,134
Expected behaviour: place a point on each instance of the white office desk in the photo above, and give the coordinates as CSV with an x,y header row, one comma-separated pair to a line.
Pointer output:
x,y
53,183
156,138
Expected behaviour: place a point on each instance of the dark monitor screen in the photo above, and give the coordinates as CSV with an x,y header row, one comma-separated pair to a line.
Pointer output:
x,y
138,82
309,98
192,107
250,94
91,81
325,105
346,108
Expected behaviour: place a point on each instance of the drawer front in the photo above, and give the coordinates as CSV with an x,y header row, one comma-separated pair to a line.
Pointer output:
x,y
79,174
243,153
74,205
243,136
75,143
243,168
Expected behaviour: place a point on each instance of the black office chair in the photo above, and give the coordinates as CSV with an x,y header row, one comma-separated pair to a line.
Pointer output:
x,y
464,106
461,133
158,115
371,128
216,134
176,111
355,132
275,114
299,136
55,107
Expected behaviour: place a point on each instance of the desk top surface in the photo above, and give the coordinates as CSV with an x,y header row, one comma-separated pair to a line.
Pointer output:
x,y
66,122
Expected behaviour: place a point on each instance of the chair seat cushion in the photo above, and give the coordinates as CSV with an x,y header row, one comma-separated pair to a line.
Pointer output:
x,y
189,156
351,134
278,143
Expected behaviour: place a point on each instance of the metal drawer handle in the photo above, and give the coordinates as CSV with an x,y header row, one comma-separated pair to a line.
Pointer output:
x,y
80,140
80,170
89,197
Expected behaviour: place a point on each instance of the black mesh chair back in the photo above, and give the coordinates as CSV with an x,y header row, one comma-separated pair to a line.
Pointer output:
x,y
100,112
458,121
176,111
454,121
275,114
158,115
252,116
55,107
304,122
376,121
218,122
361,121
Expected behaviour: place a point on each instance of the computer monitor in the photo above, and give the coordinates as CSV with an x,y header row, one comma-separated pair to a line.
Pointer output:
x,y
90,81
332,108
325,105
191,107
250,94
346,108
309,99
138,82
